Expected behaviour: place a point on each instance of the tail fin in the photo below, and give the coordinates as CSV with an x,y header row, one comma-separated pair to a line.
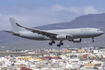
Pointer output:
x,y
14,25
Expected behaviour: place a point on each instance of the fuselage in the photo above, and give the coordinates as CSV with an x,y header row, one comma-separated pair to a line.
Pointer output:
x,y
74,33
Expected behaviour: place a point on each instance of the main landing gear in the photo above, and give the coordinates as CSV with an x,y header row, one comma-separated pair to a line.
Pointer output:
x,y
58,45
52,42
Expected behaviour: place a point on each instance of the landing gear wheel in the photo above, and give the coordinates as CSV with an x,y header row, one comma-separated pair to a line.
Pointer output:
x,y
61,43
50,43
58,45
92,39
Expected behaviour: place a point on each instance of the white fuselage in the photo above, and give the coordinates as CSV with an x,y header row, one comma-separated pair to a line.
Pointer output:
x,y
74,33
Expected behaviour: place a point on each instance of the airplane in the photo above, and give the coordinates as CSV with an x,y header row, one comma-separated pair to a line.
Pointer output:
x,y
73,35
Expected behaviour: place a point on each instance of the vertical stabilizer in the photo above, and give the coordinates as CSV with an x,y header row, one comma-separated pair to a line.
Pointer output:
x,y
14,26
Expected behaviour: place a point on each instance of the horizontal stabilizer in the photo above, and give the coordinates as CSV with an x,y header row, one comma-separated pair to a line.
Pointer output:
x,y
17,34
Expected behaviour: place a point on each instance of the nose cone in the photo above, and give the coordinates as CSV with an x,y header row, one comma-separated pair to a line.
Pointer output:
x,y
101,32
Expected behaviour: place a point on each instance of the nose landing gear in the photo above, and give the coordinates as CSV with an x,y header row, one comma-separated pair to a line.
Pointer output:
x,y
92,39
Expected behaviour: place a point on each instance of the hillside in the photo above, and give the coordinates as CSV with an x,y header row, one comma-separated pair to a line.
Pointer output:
x,y
91,20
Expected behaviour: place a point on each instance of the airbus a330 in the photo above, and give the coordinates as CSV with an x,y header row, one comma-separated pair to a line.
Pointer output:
x,y
73,35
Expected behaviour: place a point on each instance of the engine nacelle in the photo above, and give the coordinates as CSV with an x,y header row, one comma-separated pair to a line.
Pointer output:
x,y
62,36
76,40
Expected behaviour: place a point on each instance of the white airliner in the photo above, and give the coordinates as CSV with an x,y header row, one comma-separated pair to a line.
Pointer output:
x,y
73,35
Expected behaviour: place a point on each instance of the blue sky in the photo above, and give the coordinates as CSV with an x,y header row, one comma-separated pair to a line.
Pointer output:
x,y
67,3
34,13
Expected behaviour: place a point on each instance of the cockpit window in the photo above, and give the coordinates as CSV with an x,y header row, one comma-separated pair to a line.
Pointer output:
x,y
98,30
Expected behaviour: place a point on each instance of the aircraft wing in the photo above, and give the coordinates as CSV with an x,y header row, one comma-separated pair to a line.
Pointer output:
x,y
12,33
48,34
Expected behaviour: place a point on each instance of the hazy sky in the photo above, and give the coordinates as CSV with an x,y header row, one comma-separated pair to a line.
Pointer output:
x,y
32,13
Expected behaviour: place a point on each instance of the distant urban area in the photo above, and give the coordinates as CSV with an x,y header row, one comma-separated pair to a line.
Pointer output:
x,y
86,58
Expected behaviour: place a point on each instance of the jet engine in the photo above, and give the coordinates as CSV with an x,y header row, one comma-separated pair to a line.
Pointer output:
x,y
76,40
62,36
